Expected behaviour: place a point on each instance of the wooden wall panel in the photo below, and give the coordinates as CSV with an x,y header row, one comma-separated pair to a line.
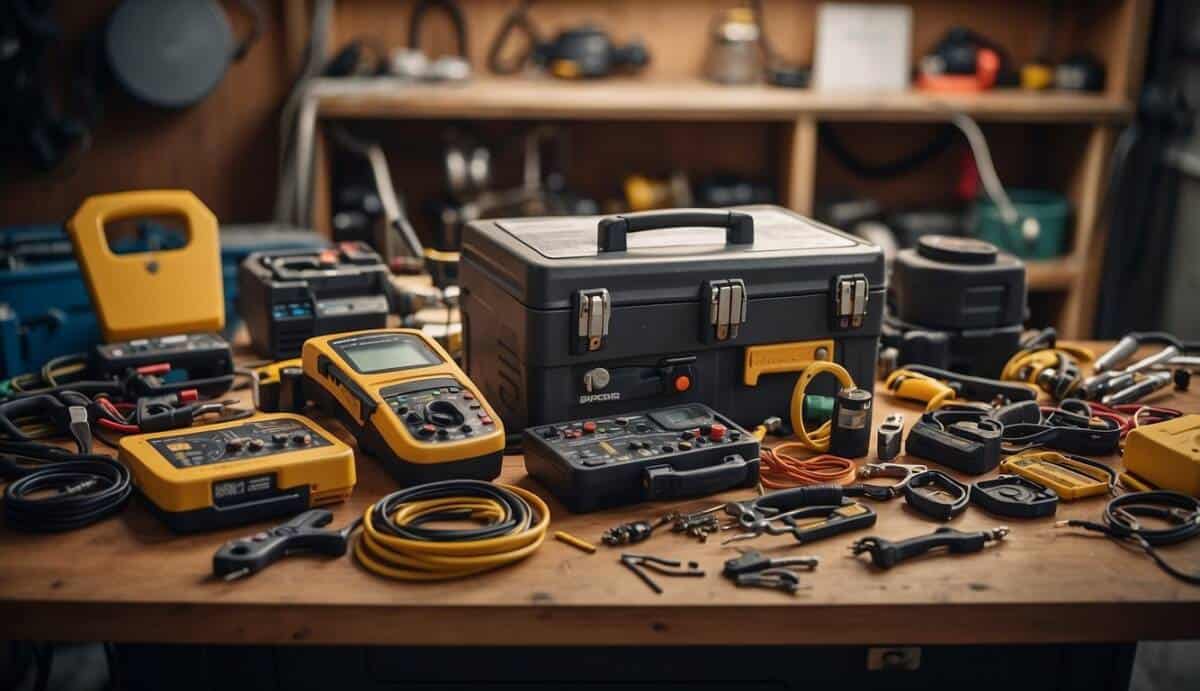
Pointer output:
x,y
224,149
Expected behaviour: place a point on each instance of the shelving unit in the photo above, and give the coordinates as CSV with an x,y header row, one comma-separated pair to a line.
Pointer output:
x,y
670,92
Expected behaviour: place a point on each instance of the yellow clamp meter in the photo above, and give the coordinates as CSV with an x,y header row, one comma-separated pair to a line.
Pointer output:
x,y
1072,477
240,471
407,403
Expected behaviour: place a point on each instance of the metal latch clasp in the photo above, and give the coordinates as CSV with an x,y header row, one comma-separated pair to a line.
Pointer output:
x,y
593,311
726,306
850,301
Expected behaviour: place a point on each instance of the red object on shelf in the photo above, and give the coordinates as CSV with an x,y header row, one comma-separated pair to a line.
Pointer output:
x,y
987,68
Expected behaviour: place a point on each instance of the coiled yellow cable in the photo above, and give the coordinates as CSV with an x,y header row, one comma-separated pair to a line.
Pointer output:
x,y
450,553
818,439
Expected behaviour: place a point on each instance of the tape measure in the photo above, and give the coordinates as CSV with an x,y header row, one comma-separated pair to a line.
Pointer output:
x,y
1071,477
406,403
154,293
236,472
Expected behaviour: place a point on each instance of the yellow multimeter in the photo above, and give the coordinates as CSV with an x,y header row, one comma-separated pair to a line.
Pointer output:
x,y
406,403
239,471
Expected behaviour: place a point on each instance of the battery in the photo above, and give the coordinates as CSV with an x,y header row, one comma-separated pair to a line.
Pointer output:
x,y
851,433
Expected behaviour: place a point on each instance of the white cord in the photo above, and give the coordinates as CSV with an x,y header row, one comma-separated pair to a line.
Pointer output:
x,y
1030,228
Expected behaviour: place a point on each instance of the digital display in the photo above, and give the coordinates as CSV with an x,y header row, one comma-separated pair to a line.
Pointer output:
x,y
390,354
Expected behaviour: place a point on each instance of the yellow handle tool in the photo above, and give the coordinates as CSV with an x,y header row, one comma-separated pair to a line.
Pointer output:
x,y
158,292
914,386
1071,477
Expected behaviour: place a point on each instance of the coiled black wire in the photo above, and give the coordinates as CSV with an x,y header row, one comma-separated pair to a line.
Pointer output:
x,y
83,490
516,511
1121,523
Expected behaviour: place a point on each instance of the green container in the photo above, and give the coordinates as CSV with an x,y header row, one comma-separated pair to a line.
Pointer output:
x,y
1052,210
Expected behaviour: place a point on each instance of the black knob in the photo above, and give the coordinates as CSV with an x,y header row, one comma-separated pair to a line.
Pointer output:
x,y
444,413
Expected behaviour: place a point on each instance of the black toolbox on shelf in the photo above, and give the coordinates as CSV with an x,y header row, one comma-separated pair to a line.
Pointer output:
x,y
574,317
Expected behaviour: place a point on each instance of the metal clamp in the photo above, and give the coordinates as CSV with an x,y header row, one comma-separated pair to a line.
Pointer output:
x,y
594,309
726,305
850,301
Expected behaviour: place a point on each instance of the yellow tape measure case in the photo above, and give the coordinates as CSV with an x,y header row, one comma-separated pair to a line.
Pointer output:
x,y
407,404
155,293
236,472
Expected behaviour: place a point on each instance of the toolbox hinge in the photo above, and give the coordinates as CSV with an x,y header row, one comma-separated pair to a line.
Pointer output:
x,y
725,302
850,301
594,308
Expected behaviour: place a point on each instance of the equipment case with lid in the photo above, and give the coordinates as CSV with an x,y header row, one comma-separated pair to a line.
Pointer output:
x,y
574,317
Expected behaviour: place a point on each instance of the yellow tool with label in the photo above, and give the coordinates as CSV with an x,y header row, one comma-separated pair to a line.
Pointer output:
x,y
1167,454
154,293
239,471
1072,477
407,403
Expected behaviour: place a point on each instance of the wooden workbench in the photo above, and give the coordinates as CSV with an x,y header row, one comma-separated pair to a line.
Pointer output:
x,y
130,579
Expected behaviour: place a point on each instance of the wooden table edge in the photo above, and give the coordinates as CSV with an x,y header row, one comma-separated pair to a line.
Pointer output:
x,y
783,624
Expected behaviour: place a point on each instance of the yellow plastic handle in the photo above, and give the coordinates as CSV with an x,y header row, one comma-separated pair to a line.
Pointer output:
x,y
157,292
87,226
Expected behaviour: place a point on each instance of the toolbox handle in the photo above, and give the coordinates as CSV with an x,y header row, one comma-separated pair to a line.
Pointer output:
x,y
665,482
738,225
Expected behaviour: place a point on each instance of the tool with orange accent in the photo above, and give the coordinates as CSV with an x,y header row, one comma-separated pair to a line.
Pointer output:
x,y
682,451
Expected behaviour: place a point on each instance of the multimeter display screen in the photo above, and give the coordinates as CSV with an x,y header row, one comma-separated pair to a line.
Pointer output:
x,y
390,354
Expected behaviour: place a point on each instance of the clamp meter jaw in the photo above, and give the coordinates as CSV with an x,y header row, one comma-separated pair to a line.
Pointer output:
x,y
407,404
240,471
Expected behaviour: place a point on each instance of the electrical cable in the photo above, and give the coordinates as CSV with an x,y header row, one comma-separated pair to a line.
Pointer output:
x,y
84,490
779,469
818,439
1120,522
940,143
397,541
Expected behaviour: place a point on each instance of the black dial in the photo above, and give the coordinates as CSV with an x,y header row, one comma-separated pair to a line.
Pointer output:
x,y
443,414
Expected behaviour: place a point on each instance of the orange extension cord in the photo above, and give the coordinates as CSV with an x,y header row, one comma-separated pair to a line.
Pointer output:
x,y
779,469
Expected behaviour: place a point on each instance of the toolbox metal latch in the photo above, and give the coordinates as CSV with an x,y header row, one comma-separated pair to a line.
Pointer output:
x,y
593,310
850,301
725,307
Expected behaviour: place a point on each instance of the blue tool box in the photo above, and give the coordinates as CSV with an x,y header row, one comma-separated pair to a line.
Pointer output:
x,y
45,310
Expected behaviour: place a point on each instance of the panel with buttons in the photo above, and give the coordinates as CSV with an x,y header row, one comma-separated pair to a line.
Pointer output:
x,y
251,440
438,410
593,462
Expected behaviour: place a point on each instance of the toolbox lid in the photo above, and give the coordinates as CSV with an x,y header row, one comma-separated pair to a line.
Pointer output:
x,y
543,261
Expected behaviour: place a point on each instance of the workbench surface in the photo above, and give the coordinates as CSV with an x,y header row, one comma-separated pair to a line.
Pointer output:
x,y
130,579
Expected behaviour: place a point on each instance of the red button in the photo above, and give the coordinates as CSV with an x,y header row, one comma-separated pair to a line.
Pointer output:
x,y
468,396
487,421
589,427
717,433
683,383
189,396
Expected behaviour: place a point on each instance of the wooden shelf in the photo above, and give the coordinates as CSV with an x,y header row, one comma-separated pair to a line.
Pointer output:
x,y
1051,274
645,99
